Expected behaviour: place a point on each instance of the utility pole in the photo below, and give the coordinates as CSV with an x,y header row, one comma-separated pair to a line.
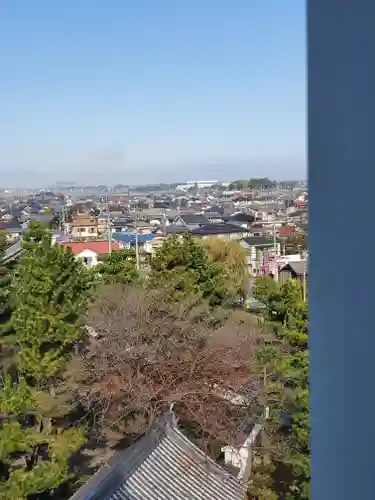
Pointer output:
x,y
62,220
274,238
304,284
136,243
276,274
109,229
136,250
164,222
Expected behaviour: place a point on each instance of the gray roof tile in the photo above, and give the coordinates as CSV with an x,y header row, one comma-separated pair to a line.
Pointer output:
x,y
163,464
299,267
223,228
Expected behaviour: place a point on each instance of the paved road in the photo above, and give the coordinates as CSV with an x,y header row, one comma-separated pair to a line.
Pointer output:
x,y
250,288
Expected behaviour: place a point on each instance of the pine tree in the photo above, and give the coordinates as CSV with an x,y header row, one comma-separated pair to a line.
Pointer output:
x,y
263,288
287,391
34,456
6,306
4,283
52,293
120,267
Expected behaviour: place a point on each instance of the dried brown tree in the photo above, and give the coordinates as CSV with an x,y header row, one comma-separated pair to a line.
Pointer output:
x,y
150,354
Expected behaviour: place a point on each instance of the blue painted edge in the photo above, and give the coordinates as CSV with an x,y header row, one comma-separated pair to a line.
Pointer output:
x,y
341,157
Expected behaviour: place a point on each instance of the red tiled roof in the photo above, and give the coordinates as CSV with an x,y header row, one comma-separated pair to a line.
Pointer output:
x,y
287,231
99,247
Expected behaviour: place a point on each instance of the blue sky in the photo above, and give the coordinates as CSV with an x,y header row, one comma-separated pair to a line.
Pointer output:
x,y
138,91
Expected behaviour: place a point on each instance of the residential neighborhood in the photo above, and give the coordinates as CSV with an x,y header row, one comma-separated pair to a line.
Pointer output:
x,y
154,249
264,222
121,238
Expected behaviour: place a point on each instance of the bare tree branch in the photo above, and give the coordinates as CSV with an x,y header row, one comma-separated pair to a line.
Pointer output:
x,y
151,354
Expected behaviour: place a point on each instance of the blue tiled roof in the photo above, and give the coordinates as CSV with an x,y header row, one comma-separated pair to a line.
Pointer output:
x,y
128,237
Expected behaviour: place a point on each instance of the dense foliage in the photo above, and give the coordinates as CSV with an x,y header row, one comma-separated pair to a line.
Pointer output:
x,y
285,359
169,337
49,291
5,298
120,267
262,183
233,256
296,244
52,289
183,268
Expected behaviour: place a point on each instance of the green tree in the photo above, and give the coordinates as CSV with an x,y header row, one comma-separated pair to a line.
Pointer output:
x,y
34,455
5,307
52,289
233,256
263,287
287,391
261,183
238,185
183,268
49,291
120,267
295,244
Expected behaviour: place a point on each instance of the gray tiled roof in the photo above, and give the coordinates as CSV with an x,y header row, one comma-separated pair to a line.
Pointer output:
x,y
13,225
162,465
299,267
13,252
212,229
194,219
241,217
42,217
173,228
259,240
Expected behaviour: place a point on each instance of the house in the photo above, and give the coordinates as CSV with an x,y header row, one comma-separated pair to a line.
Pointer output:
x,y
241,219
13,252
301,204
84,226
172,229
34,207
141,226
89,251
122,223
226,231
215,217
162,464
116,210
255,247
103,224
239,456
130,240
191,221
286,232
261,229
43,218
287,200
13,229
294,270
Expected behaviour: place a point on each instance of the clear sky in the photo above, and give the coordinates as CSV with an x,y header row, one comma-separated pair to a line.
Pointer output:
x,y
138,91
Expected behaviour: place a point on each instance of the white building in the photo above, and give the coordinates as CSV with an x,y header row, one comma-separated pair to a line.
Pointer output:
x,y
199,184
90,251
